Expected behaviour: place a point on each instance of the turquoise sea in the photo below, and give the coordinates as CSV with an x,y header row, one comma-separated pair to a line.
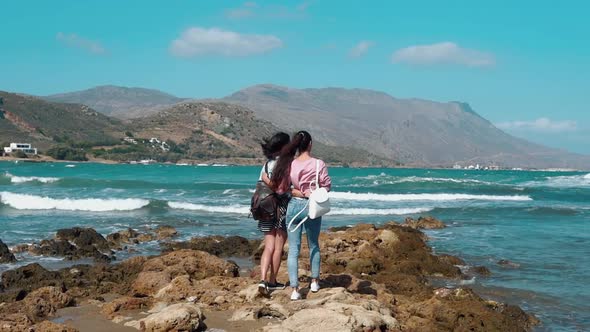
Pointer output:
x,y
538,220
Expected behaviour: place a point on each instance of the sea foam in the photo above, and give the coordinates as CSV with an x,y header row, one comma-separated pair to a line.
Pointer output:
x,y
376,212
23,179
33,202
423,197
244,210
238,209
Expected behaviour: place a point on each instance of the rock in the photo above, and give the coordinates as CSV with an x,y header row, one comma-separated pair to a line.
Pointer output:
x,y
507,263
165,232
335,310
480,270
158,272
427,222
5,255
112,309
69,251
48,326
122,237
451,259
176,317
29,277
20,248
232,246
83,237
45,301
146,237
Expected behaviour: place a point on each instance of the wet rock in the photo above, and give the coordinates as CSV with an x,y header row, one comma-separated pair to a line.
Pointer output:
x,y
451,259
66,249
160,271
5,255
165,232
232,246
82,237
146,237
509,264
126,236
20,248
481,270
427,222
176,317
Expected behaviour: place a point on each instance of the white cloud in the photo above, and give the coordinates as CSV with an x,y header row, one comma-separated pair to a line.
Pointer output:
x,y
198,41
540,125
73,40
361,48
443,53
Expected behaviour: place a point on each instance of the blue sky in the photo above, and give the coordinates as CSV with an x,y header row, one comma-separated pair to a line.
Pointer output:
x,y
524,65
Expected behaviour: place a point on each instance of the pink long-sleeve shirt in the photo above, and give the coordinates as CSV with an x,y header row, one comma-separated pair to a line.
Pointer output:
x,y
303,175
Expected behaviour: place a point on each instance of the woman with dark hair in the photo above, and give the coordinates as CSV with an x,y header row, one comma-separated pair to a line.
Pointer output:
x,y
296,169
275,234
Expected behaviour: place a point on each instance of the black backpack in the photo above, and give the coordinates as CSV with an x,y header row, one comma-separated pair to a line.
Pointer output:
x,y
264,204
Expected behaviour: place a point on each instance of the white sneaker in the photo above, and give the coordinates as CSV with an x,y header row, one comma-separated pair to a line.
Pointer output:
x,y
295,295
314,287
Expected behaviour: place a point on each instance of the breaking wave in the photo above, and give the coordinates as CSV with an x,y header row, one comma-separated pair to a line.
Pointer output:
x,y
238,209
424,197
33,202
244,210
23,179
377,212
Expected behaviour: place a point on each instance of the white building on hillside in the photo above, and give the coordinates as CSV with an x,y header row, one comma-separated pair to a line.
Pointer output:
x,y
24,147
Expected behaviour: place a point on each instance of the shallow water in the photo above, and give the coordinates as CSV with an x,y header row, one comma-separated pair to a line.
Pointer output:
x,y
538,220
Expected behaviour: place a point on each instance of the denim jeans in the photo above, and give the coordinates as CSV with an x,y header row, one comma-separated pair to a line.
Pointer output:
x,y
312,229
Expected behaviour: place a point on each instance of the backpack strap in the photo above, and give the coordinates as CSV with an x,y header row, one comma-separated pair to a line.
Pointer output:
x,y
295,217
317,174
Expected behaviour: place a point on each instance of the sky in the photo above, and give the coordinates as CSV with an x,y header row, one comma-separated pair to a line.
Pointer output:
x,y
524,65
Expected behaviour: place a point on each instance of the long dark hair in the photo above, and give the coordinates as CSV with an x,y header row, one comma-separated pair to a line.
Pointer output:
x,y
272,146
300,142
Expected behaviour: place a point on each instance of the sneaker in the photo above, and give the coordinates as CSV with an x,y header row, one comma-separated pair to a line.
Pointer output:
x,y
314,287
295,295
263,287
276,286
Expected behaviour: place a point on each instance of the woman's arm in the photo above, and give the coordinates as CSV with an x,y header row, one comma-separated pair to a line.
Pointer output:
x,y
324,179
297,193
266,179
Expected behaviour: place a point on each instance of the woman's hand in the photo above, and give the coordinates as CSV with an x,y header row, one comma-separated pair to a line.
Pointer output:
x,y
297,193
265,179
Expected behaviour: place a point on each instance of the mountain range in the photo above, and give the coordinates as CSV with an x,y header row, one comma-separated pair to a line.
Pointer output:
x,y
120,102
360,123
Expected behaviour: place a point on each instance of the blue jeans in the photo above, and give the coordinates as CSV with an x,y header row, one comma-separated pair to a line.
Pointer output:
x,y
312,229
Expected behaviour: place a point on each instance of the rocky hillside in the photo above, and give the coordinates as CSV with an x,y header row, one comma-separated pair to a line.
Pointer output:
x,y
208,130
414,131
120,102
30,119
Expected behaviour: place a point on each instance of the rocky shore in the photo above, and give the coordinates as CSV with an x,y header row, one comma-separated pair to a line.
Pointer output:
x,y
373,279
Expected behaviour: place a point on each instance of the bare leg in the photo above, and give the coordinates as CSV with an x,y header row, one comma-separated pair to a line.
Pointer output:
x,y
280,239
266,259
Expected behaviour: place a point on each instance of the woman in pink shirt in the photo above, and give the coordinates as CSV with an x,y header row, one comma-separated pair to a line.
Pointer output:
x,y
298,173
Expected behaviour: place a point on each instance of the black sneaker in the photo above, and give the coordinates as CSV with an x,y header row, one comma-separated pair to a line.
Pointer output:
x,y
263,287
276,286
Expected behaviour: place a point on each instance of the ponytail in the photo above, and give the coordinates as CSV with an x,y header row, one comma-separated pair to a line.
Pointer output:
x,y
281,172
